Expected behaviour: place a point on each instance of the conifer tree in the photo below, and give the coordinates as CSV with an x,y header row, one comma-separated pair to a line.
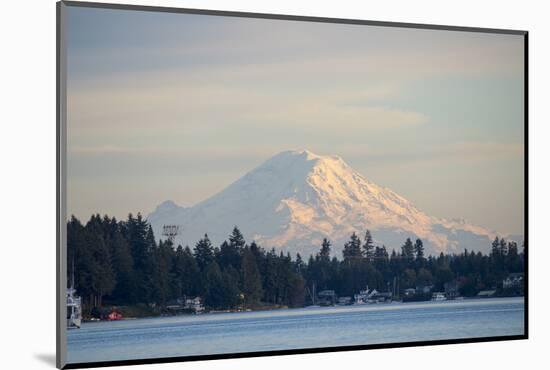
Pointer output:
x,y
296,290
299,263
123,265
381,261
140,238
352,248
251,279
236,239
259,254
495,248
204,253
231,292
214,292
513,260
187,272
503,247
269,283
368,247
407,250
419,250
229,255
161,277
325,249
102,276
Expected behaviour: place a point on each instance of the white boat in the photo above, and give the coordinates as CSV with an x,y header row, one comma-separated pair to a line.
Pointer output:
x,y
195,305
74,309
439,296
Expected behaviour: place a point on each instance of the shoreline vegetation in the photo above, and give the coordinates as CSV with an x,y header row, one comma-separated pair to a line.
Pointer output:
x,y
118,265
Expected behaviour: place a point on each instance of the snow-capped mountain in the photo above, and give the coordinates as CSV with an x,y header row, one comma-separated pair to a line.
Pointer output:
x,y
296,198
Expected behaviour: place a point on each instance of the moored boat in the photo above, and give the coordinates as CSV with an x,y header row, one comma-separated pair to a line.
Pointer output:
x,y
74,309
114,316
439,296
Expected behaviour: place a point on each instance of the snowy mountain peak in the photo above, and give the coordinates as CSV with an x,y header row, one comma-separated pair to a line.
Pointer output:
x,y
296,198
302,156
167,205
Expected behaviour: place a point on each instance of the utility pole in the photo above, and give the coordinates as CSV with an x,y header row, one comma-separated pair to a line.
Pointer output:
x,y
170,232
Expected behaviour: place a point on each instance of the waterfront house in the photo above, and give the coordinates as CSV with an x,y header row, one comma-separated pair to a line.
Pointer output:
x,y
175,306
344,301
409,292
327,298
194,305
362,297
513,281
424,289
183,305
383,297
372,296
451,289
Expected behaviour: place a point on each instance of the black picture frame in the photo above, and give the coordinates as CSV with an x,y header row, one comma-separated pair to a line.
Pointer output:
x,y
61,158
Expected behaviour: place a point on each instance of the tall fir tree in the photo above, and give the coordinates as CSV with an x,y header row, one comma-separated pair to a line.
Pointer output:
x,y
407,250
214,290
251,279
419,250
204,253
188,272
141,240
325,250
495,247
102,274
123,265
381,261
232,296
300,265
162,273
503,247
368,247
352,248
236,239
229,255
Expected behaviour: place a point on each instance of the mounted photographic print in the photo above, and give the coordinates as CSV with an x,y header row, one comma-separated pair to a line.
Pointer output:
x,y
235,184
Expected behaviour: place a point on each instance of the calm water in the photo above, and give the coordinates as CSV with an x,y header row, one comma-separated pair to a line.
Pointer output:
x,y
294,328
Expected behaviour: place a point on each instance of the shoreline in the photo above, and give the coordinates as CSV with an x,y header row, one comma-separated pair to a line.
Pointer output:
x,y
283,308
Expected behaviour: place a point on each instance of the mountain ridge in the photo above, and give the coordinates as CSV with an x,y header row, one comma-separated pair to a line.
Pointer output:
x,y
296,198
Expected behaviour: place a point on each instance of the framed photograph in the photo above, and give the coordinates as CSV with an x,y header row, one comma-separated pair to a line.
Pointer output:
x,y
235,184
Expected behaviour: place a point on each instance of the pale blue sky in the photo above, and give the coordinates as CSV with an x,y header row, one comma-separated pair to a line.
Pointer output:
x,y
174,106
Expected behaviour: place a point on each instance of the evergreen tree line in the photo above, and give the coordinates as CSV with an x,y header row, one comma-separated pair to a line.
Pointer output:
x,y
121,263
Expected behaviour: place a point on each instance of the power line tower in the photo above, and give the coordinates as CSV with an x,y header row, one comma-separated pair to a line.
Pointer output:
x,y
170,232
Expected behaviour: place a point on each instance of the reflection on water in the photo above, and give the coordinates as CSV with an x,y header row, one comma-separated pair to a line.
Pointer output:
x,y
294,329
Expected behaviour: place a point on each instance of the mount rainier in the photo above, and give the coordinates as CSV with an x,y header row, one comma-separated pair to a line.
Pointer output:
x,y
296,198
